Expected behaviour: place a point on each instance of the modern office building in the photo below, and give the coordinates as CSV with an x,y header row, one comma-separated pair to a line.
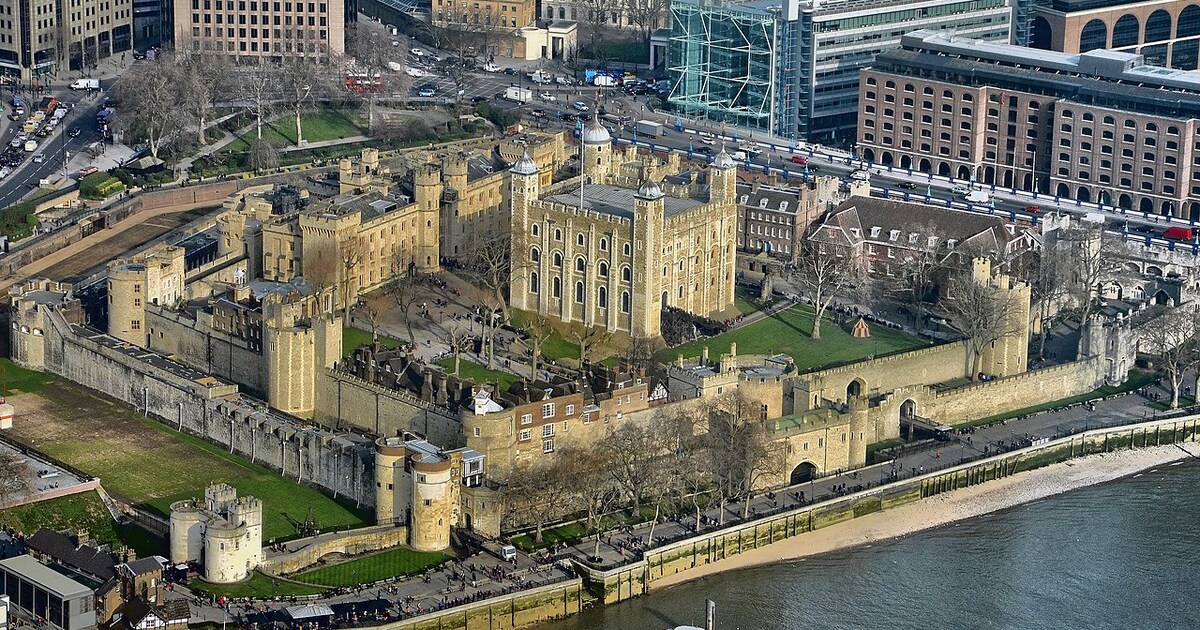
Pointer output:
x,y
1101,126
262,28
39,38
43,592
1166,32
790,69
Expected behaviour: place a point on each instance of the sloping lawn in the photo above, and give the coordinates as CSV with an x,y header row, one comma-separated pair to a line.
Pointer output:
x,y
479,373
788,332
17,378
147,462
555,346
372,568
81,511
318,126
353,338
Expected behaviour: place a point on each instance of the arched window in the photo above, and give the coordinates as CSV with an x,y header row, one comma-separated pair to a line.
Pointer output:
x,y
579,292
626,274
579,240
534,229
580,263
626,249
556,287
1093,36
602,269
603,244
1158,26
624,301
602,297
1126,31
534,286
558,259
557,234
535,255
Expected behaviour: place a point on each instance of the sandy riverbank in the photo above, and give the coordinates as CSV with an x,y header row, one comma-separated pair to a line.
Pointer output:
x,y
950,507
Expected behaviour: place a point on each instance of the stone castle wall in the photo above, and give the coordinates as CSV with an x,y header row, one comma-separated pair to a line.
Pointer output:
x,y
937,364
361,541
206,407
343,400
211,351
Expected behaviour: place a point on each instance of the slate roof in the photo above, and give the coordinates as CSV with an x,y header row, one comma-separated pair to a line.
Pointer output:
x,y
61,548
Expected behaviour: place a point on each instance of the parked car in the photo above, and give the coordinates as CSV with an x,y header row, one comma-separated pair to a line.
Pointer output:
x,y
478,99
798,159
510,72
581,106
39,158
427,91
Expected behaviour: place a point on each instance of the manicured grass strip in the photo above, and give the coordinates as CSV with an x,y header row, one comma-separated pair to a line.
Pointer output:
x,y
81,511
318,127
746,301
353,338
17,378
555,346
480,374
258,585
788,332
372,568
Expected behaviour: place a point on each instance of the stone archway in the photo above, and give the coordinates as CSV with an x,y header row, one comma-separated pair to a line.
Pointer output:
x,y
857,387
1161,298
908,411
803,473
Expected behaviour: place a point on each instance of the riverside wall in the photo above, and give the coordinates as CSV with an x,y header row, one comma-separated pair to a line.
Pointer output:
x,y
353,543
505,612
636,578
192,402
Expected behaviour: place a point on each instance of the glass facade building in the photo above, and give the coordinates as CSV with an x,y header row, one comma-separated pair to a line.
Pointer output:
x,y
791,69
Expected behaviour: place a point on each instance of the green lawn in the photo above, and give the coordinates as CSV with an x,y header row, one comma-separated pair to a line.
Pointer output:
x,y
353,338
319,126
258,585
556,346
81,511
372,568
145,461
569,533
745,300
787,332
479,373
17,378
1137,379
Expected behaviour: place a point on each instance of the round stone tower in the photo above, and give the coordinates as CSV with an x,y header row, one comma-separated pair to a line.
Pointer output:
x,y
187,531
224,555
389,471
429,527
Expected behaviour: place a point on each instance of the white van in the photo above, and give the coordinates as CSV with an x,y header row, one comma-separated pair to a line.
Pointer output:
x,y
508,553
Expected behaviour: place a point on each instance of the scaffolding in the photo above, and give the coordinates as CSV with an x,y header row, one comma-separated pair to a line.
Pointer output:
x,y
722,60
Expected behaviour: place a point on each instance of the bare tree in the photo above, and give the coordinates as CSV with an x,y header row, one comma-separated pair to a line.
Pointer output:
x,y
645,15
203,78
1173,338
539,494
375,56
640,351
258,89
404,287
1051,288
589,339
263,156
157,117
981,312
489,266
588,468
301,82
321,272
16,478
456,338
739,448
825,271
634,452
1092,255
351,253
920,269
539,330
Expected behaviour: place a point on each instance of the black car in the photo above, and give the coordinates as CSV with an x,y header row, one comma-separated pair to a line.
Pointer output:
x,y
705,149
478,99
510,72
813,168
906,186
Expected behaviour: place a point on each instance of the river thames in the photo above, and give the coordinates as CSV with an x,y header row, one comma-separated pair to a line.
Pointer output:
x,y
1118,555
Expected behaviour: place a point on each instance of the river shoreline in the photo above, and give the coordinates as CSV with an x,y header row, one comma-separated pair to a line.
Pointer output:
x,y
950,507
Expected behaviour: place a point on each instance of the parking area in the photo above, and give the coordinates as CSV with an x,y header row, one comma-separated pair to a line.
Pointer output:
x,y
37,478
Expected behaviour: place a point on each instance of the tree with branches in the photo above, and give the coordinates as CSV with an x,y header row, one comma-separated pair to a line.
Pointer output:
x,y
257,86
456,337
1051,285
373,54
302,83
825,271
321,272
537,494
263,156
204,78
739,448
351,253
588,469
153,85
404,287
1173,338
16,478
489,266
981,312
589,339
920,270
1092,254
539,329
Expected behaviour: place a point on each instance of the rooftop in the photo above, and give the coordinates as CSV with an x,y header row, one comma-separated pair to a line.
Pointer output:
x,y
44,576
617,201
